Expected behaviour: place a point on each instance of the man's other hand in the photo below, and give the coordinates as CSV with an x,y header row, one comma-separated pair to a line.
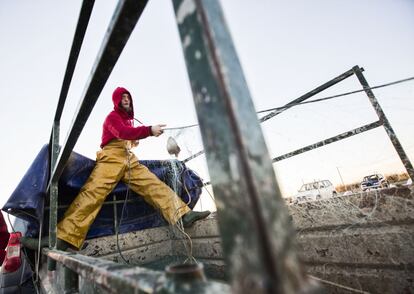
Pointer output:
x,y
157,130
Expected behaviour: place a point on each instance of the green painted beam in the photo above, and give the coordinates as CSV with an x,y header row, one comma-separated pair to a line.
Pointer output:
x,y
257,235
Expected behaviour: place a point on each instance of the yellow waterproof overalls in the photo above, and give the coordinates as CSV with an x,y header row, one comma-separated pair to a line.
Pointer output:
x,y
114,163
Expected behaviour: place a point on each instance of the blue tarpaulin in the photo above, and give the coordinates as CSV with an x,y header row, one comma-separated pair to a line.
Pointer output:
x,y
29,200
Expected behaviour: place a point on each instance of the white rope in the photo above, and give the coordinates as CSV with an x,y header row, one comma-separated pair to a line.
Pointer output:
x,y
338,285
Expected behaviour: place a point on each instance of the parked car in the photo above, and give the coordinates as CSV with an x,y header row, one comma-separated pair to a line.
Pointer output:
x,y
315,190
374,181
16,275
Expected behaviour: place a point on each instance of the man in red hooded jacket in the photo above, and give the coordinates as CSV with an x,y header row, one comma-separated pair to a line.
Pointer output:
x,y
115,162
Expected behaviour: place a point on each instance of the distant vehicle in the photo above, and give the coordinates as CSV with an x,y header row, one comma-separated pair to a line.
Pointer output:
x,y
347,193
374,181
315,190
16,275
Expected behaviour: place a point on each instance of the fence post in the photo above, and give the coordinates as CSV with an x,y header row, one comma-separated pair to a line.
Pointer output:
x,y
387,126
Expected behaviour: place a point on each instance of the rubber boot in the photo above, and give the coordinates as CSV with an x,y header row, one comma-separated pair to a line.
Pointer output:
x,y
192,216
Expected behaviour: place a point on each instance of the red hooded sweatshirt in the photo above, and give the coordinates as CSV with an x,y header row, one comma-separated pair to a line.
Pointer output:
x,y
119,123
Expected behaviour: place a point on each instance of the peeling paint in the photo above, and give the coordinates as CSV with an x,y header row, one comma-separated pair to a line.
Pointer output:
x,y
234,166
186,8
187,41
207,99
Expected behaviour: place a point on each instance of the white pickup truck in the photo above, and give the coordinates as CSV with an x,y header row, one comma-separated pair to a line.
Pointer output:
x,y
315,190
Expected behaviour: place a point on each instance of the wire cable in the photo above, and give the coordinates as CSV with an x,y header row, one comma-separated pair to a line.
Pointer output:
x,y
338,285
180,128
338,95
282,108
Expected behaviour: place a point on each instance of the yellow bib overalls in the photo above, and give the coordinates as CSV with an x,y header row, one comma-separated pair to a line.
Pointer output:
x,y
114,163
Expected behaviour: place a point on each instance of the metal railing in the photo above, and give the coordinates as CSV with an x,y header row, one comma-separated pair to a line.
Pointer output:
x,y
383,121
84,16
124,19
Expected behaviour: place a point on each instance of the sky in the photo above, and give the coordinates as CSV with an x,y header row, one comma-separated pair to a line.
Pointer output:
x,y
286,49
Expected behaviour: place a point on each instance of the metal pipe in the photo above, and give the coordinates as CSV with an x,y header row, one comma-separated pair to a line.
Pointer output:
x,y
294,102
105,203
387,126
330,140
306,96
83,21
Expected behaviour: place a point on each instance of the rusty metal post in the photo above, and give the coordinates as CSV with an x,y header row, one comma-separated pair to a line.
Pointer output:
x,y
53,193
325,142
257,235
387,126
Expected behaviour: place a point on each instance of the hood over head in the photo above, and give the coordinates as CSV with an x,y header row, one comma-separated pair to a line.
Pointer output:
x,y
116,99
